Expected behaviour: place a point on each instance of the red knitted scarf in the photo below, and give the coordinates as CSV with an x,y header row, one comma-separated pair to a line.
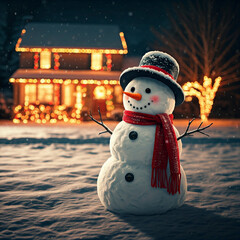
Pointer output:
x,y
165,147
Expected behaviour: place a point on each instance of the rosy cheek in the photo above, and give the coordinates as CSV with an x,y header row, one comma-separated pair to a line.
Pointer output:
x,y
155,99
126,97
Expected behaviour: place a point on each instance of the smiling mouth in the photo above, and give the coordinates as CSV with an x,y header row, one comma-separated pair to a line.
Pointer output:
x,y
142,107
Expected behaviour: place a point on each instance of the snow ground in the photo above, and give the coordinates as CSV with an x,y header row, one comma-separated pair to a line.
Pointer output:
x,y
48,180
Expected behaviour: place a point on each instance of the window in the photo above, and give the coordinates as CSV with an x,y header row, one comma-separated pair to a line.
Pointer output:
x,y
96,61
30,93
45,59
67,95
99,92
45,93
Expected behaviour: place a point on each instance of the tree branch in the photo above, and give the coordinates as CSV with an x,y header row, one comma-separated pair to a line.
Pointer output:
x,y
199,130
100,123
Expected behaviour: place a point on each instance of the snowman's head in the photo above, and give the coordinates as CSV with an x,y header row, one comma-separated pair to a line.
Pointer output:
x,y
147,95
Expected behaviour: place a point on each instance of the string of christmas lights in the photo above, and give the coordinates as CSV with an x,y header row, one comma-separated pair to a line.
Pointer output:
x,y
205,94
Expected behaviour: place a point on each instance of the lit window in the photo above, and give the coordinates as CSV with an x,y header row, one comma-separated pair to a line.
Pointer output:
x,y
45,59
30,93
45,93
68,93
99,92
96,61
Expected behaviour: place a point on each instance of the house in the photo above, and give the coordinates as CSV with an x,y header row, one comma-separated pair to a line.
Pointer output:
x,y
67,70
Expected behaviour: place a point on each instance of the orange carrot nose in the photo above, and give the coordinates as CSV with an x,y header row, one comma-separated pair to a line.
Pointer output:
x,y
136,96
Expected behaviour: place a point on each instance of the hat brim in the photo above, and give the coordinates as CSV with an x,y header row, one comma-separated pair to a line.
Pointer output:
x,y
129,74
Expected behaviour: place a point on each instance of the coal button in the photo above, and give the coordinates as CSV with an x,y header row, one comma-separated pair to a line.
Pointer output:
x,y
133,135
129,177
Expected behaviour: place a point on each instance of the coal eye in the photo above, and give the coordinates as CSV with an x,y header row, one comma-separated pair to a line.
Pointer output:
x,y
132,89
148,90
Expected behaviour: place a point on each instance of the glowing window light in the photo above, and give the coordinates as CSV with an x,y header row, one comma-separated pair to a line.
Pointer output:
x,y
205,94
78,104
99,92
68,95
30,93
45,93
45,59
96,61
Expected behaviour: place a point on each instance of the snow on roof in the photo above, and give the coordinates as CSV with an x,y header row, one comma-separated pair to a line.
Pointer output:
x,y
71,36
66,74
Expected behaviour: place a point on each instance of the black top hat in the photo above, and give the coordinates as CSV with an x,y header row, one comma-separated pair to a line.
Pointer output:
x,y
157,65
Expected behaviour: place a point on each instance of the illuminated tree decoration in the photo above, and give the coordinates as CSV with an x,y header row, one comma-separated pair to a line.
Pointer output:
x,y
205,94
204,43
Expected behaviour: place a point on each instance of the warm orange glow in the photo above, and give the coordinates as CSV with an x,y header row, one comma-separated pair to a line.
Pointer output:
x,y
99,92
69,50
109,100
23,32
96,61
30,93
36,60
109,62
45,93
45,59
44,114
68,91
66,81
205,94
78,105
56,61
124,44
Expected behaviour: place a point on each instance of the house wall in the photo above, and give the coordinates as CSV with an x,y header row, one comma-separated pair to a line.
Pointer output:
x,y
117,60
75,61
26,60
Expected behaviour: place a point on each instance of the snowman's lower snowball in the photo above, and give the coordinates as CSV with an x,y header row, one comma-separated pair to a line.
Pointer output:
x,y
137,196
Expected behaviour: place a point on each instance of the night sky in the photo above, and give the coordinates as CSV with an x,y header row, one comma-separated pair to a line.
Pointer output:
x,y
133,17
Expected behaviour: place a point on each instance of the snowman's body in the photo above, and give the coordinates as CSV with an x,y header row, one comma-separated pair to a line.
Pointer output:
x,y
131,149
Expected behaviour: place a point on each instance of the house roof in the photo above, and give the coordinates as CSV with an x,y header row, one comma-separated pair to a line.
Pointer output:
x,y
65,74
57,35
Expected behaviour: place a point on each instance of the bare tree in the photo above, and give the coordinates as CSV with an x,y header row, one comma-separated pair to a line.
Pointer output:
x,y
203,39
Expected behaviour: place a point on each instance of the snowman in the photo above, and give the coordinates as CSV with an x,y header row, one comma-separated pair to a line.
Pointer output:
x,y
144,176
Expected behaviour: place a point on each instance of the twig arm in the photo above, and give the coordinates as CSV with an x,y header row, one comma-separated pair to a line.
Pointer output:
x,y
100,123
199,130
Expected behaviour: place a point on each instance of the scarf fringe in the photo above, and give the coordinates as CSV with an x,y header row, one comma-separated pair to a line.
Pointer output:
x,y
174,183
159,178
